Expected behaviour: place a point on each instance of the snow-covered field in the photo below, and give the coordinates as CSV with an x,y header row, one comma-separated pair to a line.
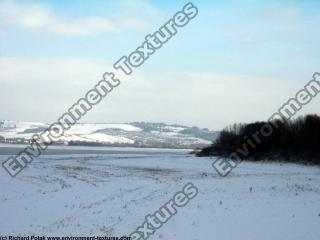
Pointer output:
x,y
110,194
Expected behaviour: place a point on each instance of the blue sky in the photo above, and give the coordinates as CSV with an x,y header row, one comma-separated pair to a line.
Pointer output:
x,y
237,61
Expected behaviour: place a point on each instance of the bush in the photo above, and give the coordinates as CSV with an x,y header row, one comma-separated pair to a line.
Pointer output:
x,y
286,140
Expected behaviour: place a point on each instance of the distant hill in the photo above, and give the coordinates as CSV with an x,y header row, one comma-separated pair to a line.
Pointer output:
x,y
136,134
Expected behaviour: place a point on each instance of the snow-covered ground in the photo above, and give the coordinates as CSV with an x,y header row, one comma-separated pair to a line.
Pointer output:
x,y
110,194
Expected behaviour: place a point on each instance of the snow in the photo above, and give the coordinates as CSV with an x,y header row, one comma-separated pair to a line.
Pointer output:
x,y
110,194
174,129
79,132
21,125
108,138
109,133
12,129
90,128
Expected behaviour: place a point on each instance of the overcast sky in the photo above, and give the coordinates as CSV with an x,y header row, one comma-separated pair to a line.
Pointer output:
x,y
237,61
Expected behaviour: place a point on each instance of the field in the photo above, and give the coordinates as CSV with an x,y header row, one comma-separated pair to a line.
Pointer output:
x,y
109,194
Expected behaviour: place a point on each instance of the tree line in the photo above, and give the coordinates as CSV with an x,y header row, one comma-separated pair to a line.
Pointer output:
x,y
296,140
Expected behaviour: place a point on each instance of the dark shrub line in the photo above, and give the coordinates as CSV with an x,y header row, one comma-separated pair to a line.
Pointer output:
x,y
294,141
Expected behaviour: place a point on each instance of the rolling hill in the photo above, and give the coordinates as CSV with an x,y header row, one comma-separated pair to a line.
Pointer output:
x,y
136,134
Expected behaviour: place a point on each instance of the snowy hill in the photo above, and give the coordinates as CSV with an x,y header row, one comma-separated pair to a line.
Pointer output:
x,y
138,134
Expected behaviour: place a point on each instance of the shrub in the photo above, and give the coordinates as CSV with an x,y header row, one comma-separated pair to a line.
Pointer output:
x,y
289,140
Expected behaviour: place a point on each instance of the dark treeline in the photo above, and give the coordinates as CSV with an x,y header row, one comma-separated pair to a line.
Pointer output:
x,y
295,141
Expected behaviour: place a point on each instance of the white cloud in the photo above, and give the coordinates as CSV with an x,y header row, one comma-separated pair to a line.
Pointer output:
x,y
42,89
41,18
68,72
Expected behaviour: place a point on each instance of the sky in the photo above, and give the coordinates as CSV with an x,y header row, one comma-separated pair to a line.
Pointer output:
x,y
236,61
